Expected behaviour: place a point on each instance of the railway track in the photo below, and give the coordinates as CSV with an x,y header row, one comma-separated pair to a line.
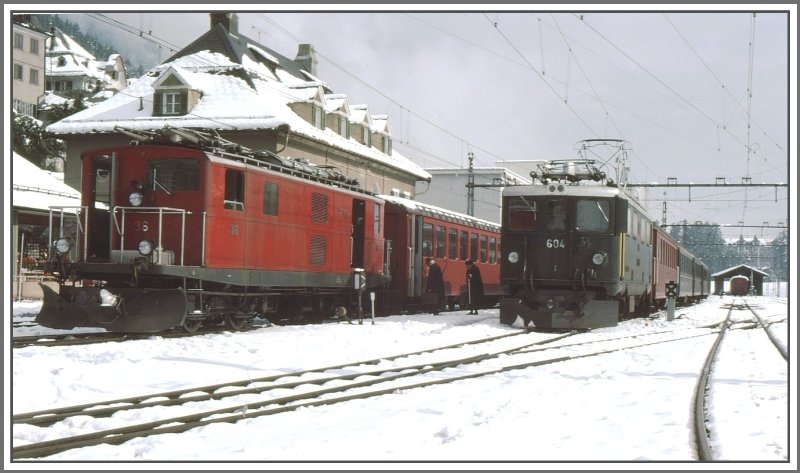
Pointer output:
x,y
243,399
70,339
703,427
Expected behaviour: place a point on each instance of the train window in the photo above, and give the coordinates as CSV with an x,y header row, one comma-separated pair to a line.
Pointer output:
x,y
556,215
492,250
440,241
376,220
234,190
270,198
462,244
170,175
319,208
452,243
427,239
484,248
593,216
473,246
521,214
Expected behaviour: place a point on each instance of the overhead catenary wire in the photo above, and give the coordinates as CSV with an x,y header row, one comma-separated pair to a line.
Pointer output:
x,y
376,90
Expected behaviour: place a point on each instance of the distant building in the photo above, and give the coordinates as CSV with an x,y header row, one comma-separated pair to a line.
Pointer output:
x,y
228,83
449,189
28,65
755,278
71,68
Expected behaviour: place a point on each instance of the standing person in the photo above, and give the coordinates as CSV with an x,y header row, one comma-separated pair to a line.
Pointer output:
x,y
474,287
435,284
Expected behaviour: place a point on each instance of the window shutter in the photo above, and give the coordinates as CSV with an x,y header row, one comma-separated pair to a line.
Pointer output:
x,y
157,109
184,102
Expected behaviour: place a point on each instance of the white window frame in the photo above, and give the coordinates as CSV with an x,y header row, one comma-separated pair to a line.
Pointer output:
x,y
171,103
19,41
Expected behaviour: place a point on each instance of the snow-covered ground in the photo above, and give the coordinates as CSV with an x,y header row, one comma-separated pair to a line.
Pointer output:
x,y
630,406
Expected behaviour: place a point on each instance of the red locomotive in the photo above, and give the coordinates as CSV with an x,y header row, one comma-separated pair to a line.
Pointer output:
x,y
740,285
187,236
419,231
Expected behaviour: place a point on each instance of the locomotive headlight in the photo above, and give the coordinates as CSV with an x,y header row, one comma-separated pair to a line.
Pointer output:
x,y
145,247
62,245
599,259
513,257
136,199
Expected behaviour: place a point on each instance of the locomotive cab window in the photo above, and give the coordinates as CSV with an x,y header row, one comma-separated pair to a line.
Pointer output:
x,y
521,214
593,216
556,215
234,190
169,175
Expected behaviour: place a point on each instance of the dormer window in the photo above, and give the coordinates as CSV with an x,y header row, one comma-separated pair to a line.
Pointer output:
x,y
173,96
344,127
317,117
386,145
366,136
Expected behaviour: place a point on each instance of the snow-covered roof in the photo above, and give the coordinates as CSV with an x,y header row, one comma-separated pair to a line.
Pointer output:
x,y
360,114
66,58
734,268
414,206
50,98
380,123
35,188
243,95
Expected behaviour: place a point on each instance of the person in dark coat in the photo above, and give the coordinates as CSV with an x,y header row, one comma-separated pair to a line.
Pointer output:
x,y
474,287
435,284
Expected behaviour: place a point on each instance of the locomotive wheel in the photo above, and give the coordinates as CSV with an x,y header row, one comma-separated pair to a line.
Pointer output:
x,y
234,322
192,325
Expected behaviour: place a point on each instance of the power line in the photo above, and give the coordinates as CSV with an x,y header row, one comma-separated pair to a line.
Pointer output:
x,y
377,91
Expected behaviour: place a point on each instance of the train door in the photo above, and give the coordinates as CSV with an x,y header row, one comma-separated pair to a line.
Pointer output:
x,y
417,257
100,205
357,238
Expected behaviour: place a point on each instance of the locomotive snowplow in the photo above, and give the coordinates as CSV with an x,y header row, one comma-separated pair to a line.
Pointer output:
x,y
129,310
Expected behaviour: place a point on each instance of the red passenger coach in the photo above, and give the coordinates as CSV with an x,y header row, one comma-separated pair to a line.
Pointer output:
x,y
185,236
418,231
666,254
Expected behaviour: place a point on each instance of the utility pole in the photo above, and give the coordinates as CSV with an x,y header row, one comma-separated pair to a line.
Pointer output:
x,y
470,186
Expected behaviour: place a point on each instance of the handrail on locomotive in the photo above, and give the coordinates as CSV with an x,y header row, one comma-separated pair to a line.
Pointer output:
x,y
151,210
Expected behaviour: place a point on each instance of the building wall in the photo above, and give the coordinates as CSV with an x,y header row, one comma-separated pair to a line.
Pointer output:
x,y
25,94
448,189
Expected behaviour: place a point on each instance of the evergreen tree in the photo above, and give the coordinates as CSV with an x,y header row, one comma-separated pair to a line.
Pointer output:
x,y
705,241
780,252
30,140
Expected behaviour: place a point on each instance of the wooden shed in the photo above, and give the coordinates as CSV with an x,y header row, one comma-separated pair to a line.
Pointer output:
x,y
755,276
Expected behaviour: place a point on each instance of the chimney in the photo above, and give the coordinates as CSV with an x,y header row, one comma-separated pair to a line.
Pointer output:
x,y
307,58
229,20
